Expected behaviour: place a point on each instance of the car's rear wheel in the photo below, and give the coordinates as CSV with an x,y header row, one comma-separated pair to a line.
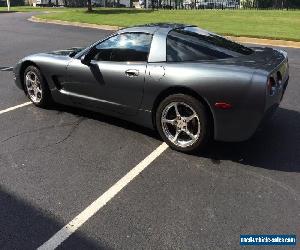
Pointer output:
x,y
183,123
36,88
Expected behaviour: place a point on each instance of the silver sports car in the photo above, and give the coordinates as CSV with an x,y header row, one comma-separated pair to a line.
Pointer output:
x,y
189,84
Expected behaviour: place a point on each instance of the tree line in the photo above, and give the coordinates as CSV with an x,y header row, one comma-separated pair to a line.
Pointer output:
x,y
259,4
271,4
67,3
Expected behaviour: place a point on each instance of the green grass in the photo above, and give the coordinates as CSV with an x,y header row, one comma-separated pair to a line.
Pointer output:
x,y
274,24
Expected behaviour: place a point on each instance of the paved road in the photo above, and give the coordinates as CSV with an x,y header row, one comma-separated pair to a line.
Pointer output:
x,y
54,163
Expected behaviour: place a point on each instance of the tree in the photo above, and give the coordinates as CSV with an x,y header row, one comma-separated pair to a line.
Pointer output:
x,y
89,5
8,5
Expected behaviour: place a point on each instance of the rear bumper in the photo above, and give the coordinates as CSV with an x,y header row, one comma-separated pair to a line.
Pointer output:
x,y
268,115
284,87
278,95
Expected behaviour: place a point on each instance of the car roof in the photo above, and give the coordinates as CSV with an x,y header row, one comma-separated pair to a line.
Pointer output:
x,y
153,27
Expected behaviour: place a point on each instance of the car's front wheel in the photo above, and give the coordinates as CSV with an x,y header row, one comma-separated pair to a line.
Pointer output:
x,y
36,88
182,122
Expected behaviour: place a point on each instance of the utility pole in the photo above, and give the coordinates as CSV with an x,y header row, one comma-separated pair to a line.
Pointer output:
x,y
8,5
89,5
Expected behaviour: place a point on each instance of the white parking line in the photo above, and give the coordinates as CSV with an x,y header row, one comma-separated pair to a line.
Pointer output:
x,y
6,68
15,107
93,208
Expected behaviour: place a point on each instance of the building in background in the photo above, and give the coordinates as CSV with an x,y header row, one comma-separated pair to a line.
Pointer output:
x,y
44,2
112,3
49,2
79,3
166,4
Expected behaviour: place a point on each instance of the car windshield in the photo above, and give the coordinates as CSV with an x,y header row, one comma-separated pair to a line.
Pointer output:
x,y
75,51
193,44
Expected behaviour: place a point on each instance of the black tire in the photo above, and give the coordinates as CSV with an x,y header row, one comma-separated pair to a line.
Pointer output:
x,y
202,121
45,99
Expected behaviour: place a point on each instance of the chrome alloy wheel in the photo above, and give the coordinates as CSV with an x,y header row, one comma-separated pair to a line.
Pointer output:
x,y
33,86
180,124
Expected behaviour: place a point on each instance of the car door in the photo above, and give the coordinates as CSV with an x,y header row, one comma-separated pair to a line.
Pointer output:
x,y
114,79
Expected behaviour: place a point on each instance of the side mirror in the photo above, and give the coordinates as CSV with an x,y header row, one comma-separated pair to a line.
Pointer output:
x,y
85,60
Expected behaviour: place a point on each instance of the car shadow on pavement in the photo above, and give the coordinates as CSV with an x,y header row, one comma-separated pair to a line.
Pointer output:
x,y
106,119
23,226
275,146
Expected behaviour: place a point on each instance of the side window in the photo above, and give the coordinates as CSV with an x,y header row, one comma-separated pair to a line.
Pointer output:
x,y
127,47
185,46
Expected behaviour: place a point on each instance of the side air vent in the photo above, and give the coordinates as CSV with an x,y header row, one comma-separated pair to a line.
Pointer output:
x,y
56,82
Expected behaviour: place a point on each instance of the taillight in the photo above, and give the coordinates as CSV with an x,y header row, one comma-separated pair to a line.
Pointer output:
x,y
271,85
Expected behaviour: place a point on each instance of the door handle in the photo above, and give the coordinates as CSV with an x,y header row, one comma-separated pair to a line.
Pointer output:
x,y
132,72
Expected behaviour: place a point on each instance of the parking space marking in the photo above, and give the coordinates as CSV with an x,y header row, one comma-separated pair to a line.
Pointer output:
x,y
94,207
6,68
15,107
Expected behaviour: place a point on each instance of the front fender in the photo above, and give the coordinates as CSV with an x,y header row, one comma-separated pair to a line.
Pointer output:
x,y
50,65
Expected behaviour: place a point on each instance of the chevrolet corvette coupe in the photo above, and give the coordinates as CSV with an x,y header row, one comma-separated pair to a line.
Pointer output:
x,y
189,84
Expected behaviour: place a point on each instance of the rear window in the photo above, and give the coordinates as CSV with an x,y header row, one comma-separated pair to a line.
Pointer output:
x,y
193,44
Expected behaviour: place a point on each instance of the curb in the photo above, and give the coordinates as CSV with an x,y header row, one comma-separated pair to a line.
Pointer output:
x,y
75,24
250,40
268,42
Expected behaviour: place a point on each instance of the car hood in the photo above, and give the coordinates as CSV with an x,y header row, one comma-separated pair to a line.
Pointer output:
x,y
66,52
45,58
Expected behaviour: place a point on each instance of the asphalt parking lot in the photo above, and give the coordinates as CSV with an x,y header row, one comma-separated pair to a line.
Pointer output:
x,y
55,163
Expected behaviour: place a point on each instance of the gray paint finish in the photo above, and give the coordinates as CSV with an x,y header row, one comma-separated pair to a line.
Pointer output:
x,y
104,86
